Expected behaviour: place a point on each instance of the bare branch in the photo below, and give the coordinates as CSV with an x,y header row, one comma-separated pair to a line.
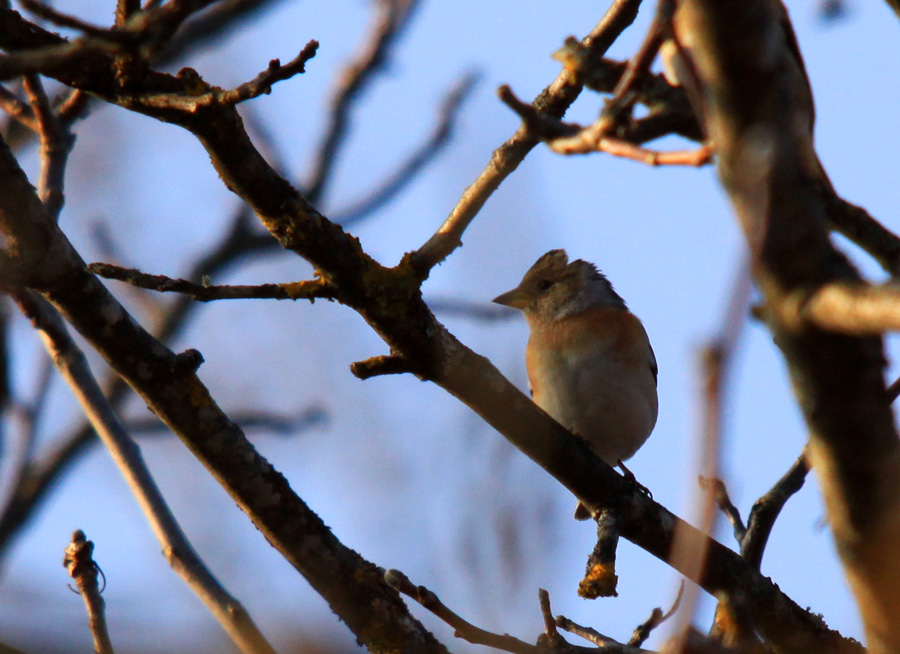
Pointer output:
x,y
767,508
553,100
761,122
305,290
639,64
720,493
263,82
73,367
65,20
605,644
857,225
852,308
600,575
272,423
657,617
391,18
79,561
381,365
125,9
17,109
570,138
409,169
465,630
167,383
56,143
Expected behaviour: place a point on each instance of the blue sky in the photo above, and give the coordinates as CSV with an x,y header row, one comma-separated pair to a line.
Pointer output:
x,y
402,472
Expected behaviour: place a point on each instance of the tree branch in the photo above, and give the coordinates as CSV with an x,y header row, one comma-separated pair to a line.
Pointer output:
x,y
761,123
409,169
306,290
79,561
348,582
390,300
554,100
392,17
73,368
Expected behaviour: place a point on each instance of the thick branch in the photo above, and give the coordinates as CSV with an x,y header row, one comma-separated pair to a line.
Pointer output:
x,y
390,300
349,583
759,109
73,367
846,307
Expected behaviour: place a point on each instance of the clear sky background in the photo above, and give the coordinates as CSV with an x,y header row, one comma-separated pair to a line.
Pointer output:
x,y
401,471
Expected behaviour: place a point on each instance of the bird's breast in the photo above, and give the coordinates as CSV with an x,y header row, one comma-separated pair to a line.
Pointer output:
x,y
592,373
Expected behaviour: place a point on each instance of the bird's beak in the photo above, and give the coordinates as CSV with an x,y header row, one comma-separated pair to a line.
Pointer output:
x,y
516,298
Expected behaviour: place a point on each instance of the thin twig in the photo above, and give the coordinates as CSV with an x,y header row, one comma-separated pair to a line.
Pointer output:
x,y
417,160
584,143
238,243
856,224
57,17
553,100
271,423
716,359
17,109
570,138
305,290
767,508
73,368
893,390
56,143
79,561
206,95
392,16
551,636
606,644
262,83
657,617
723,501
639,64
463,629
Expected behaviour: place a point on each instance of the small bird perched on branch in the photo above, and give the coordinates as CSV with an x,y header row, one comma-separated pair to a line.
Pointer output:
x,y
590,364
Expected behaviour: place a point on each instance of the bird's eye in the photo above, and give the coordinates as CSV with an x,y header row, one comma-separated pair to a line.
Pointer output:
x,y
544,284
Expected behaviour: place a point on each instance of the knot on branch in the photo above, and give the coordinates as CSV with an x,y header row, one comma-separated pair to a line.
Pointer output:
x,y
381,365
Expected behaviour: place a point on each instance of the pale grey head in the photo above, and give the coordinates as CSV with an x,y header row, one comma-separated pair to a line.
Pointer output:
x,y
554,288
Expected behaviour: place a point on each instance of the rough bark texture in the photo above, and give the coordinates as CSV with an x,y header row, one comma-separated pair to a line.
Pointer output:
x,y
758,107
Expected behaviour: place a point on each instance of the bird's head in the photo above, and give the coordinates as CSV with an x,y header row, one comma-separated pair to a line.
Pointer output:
x,y
554,288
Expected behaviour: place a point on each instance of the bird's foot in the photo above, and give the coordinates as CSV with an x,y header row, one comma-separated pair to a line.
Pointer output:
x,y
631,479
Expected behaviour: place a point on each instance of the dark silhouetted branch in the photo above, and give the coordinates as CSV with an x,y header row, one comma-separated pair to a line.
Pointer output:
x,y
73,368
306,290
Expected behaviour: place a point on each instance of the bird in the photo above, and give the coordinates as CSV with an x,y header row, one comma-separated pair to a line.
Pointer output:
x,y
589,361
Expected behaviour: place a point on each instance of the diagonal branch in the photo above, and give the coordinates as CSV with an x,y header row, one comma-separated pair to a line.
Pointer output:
x,y
392,17
761,123
389,299
169,384
554,100
424,154
73,367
